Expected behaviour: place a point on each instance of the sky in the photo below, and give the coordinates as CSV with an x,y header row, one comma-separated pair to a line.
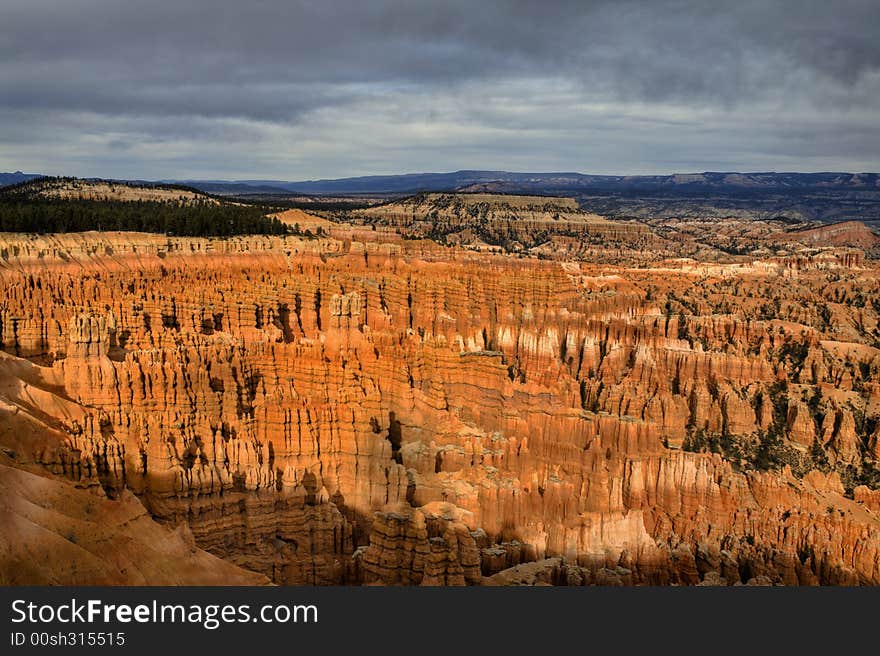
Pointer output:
x,y
294,90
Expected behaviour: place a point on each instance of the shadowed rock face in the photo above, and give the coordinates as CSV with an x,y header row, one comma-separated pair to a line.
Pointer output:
x,y
358,411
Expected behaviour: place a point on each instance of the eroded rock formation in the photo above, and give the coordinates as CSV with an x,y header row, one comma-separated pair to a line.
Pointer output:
x,y
353,411
514,222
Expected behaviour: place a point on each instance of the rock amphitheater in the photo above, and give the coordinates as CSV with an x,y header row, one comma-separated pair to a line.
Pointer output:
x,y
371,408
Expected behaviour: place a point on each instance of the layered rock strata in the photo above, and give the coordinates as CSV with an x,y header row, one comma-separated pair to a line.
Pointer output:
x,y
341,411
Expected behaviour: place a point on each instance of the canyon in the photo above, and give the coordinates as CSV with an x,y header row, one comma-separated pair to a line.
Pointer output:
x,y
447,390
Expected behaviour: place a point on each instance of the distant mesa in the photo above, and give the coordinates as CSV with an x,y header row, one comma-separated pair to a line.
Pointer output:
x,y
550,183
513,222
854,234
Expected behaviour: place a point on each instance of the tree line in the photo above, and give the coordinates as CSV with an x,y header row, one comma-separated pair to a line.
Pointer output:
x,y
192,219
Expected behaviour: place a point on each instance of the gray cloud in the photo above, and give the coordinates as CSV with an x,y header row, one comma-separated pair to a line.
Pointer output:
x,y
307,89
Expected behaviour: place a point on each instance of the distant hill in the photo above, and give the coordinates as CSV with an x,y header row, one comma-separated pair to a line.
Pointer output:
x,y
372,184
16,178
232,188
550,183
47,205
106,190
828,197
853,234
509,222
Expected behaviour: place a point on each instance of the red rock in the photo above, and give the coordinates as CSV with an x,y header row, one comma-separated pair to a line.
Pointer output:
x,y
343,411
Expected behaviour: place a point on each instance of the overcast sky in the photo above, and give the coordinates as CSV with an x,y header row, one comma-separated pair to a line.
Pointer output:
x,y
293,90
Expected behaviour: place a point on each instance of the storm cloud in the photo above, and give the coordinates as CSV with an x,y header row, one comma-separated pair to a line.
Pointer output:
x,y
292,90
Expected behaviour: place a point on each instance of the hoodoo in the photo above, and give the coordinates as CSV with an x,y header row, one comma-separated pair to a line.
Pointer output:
x,y
360,409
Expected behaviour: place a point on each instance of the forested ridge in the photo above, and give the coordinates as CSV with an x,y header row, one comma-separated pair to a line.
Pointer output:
x,y
23,209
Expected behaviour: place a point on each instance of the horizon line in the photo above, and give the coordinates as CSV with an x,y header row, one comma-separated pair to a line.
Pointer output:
x,y
257,179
